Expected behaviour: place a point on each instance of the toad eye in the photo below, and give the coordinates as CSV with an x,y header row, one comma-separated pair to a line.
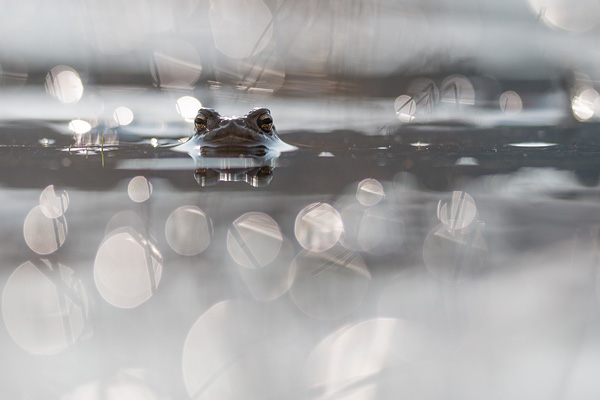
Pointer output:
x,y
265,122
200,122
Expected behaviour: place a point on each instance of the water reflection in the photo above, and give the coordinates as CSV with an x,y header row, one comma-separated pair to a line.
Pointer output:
x,y
45,307
255,171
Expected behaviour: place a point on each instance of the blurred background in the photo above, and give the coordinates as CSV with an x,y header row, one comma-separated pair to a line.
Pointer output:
x,y
517,59
434,236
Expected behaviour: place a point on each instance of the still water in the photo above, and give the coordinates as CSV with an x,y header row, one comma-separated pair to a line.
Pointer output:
x,y
431,262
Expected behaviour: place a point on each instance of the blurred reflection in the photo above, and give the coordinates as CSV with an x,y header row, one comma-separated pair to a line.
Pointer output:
x,y
89,142
17,14
565,15
254,240
260,75
405,108
458,212
255,171
414,294
452,255
455,249
188,230
510,102
232,352
584,103
272,280
420,144
318,227
45,308
533,144
125,219
187,107
127,268
79,126
354,362
425,93
53,203
126,384
139,189
123,116
472,161
175,65
369,192
329,284
236,35
457,89
42,234
528,182
13,73
105,24
64,83
377,230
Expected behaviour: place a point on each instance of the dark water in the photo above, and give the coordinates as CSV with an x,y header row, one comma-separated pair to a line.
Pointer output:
x,y
446,262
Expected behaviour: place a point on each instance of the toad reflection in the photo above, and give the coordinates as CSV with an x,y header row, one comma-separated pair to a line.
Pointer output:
x,y
234,149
